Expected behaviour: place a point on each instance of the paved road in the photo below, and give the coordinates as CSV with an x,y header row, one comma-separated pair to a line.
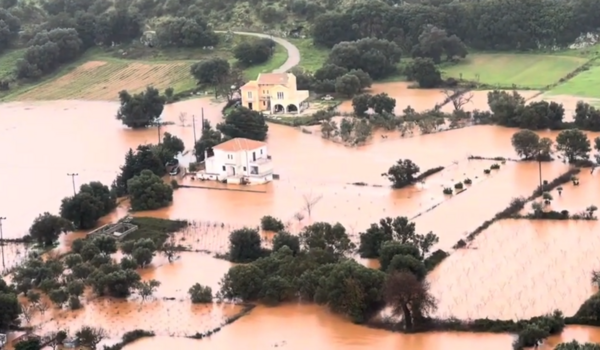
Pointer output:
x,y
293,54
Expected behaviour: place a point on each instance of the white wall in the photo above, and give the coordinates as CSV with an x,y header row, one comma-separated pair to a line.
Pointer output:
x,y
238,160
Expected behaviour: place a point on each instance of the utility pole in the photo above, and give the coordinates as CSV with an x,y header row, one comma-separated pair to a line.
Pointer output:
x,y
194,127
158,124
2,243
72,175
540,171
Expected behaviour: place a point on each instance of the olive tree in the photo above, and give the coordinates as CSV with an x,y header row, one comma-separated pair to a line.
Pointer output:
x,y
573,144
200,294
402,173
148,191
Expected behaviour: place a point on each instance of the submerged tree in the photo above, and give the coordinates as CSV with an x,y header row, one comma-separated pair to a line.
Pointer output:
x,y
146,289
573,144
148,192
47,227
408,297
244,245
200,294
402,173
90,336
140,110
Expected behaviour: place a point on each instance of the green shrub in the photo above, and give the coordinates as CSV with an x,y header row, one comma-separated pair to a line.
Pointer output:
x,y
486,171
269,223
467,181
447,190
458,185
200,294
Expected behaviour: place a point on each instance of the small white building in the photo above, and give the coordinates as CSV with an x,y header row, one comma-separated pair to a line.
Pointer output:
x,y
238,161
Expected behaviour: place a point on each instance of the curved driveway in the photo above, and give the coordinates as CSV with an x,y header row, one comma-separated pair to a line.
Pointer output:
x,y
293,53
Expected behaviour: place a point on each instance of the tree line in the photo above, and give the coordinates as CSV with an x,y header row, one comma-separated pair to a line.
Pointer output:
x,y
315,266
483,25
572,145
59,32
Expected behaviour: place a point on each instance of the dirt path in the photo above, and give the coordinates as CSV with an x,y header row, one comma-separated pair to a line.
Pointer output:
x,y
293,53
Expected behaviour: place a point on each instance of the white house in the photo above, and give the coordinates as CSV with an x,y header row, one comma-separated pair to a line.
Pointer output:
x,y
238,160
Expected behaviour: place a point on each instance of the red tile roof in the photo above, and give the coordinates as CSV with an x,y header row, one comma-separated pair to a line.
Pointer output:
x,y
239,144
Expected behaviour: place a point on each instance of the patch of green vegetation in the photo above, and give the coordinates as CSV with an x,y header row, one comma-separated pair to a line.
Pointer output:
x,y
585,84
279,57
154,228
117,61
311,57
8,61
521,70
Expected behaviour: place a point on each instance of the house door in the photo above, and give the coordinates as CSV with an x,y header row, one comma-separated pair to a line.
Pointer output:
x,y
254,156
250,106
233,169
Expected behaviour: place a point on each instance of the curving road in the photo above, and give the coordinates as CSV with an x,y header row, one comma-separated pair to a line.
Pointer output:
x,y
293,53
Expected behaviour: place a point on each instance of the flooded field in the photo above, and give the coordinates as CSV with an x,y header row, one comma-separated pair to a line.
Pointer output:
x,y
532,255
310,326
506,267
174,318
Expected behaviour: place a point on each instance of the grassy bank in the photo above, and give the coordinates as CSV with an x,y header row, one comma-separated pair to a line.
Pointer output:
x,y
156,229
585,84
525,71
311,57
100,74
8,60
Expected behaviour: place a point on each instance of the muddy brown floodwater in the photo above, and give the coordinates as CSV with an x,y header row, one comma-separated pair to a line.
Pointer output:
x,y
42,142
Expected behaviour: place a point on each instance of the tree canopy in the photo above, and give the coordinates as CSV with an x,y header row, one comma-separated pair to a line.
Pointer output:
x,y
246,123
93,201
46,228
402,173
573,144
142,109
10,309
147,191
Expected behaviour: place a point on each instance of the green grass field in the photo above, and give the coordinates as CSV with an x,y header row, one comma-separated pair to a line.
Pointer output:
x,y
585,84
533,71
311,57
8,61
100,74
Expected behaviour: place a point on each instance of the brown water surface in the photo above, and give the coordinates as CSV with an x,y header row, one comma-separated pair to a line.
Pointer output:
x,y
309,326
42,142
419,99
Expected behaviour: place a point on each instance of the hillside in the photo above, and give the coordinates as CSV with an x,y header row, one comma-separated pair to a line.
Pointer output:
x,y
384,37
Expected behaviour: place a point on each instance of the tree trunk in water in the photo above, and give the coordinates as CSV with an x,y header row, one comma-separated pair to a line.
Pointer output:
x,y
408,324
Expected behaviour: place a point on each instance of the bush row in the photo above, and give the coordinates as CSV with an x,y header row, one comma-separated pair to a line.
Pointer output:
x,y
245,311
519,203
130,337
428,173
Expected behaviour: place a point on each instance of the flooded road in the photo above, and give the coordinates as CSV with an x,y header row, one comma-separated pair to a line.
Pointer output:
x,y
42,142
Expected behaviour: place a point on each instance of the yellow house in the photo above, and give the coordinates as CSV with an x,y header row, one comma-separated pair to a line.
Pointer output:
x,y
274,93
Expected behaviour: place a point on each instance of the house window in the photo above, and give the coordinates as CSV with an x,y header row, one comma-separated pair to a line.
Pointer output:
x,y
244,168
261,151
264,103
249,94
254,170
223,167
280,95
